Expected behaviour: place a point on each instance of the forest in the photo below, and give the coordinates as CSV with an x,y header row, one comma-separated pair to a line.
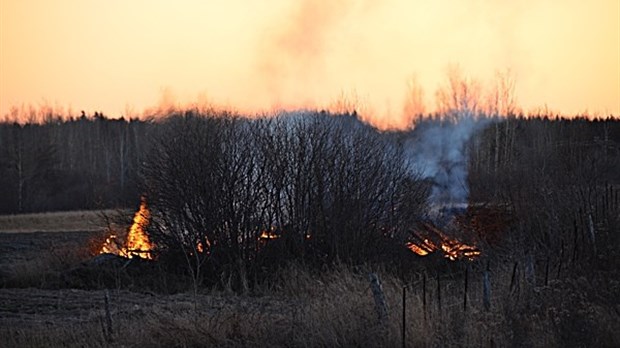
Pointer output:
x,y
332,184
94,162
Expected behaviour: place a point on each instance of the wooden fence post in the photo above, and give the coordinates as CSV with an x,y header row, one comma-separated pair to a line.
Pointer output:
x,y
486,288
547,271
530,270
561,258
575,242
108,330
379,296
592,234
439,294
424,294
465,289
404,316
513,278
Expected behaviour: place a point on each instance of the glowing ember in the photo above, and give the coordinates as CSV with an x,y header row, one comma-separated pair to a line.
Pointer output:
x,y
201,248
451,248
137,242
424,248
109,247
269,235
416,249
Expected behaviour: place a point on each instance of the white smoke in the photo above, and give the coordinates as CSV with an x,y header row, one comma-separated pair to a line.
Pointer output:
x,y
438,151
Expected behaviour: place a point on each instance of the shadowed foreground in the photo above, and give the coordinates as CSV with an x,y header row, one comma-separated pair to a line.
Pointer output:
x,y
335,308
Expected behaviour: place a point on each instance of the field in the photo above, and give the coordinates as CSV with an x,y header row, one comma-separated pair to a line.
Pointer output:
x,y
298,308
55,221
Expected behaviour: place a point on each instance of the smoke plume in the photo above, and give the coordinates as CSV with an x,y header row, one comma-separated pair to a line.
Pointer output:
x,y
438,151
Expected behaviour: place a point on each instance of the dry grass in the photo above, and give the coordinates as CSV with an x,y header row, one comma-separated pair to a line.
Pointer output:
x,y
333,309
68,221
336,317
299,308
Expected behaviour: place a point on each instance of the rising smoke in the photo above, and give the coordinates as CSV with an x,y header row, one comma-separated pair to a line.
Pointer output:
x,y
438,151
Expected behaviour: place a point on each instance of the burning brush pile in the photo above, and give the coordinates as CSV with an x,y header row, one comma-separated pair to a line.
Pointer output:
x,y
475,225
137,243
428,238
358,201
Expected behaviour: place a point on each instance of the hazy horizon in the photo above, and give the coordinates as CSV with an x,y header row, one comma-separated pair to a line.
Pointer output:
x,y
121,57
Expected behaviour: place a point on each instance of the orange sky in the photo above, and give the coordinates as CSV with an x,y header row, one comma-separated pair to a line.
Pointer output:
x,y
118,56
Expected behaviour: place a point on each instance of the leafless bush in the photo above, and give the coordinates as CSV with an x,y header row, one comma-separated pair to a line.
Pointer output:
x,y
329,187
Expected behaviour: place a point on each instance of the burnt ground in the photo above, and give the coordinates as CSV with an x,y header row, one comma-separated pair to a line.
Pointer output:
x,y
38,259
35,313
18,247
335,309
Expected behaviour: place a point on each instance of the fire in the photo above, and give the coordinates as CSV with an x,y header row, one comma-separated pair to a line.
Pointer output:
x,y
200,248
416,249
435,240
454,249
265,235
137,242
109,246
424,248
268,235
429,240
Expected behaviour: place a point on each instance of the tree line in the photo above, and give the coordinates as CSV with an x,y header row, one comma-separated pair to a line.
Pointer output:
x,y
319,188
83,163
560,179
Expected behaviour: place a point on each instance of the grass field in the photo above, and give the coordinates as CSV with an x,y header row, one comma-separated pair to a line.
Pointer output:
x,y
56,221
297,308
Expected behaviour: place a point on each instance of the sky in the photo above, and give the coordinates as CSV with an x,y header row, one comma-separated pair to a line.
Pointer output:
x,y
123,57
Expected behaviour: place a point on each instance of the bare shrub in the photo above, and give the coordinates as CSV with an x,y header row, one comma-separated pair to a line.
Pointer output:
x,y
330,188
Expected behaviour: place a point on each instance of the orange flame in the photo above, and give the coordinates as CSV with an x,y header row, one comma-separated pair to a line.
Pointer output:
x,y
269,235
416,249
454,249
137,242
451,248
425,248
200,248
109,246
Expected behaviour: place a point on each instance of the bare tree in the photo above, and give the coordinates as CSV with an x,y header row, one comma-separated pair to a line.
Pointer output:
x,y
461,96
330,188
415,105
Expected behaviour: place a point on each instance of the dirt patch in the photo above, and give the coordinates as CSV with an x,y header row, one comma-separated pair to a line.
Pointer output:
x,y
35,249
32,259
16,248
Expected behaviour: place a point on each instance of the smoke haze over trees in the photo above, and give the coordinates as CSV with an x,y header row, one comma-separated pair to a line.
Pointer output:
x,y
332,186
96,162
